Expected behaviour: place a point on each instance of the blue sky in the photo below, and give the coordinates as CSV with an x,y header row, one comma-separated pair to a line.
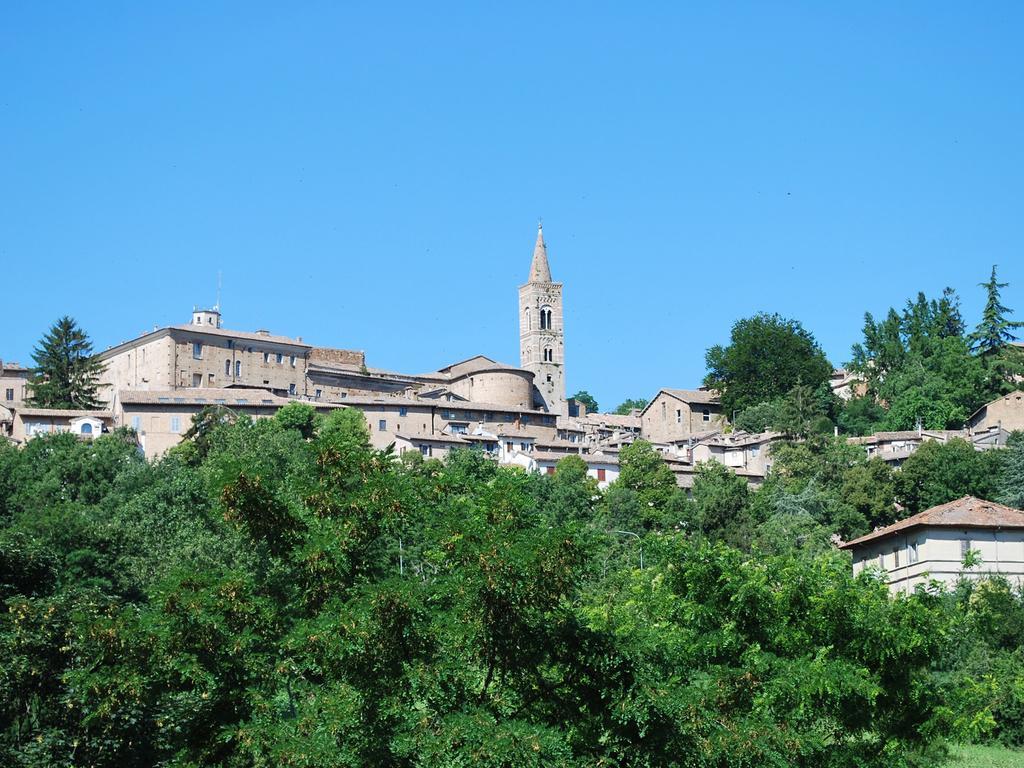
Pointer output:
x,y
370,175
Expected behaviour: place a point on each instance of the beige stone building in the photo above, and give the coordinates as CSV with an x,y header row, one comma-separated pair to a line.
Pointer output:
x,y
161,417
13,384
678,414
740,451
933,545
1006,412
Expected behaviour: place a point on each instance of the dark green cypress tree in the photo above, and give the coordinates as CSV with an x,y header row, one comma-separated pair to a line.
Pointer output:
x,y
66,372
995,331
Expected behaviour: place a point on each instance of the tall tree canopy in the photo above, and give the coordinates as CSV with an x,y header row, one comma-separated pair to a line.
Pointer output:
x,y
919,364
66,373
995,331
766,357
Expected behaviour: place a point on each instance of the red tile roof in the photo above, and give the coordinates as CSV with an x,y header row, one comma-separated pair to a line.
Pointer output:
x,y
966,512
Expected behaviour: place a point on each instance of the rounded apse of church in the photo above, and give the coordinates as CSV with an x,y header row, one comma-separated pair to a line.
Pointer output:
x,y
510,387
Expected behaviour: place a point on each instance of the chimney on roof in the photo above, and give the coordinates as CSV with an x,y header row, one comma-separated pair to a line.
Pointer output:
x,y
262,332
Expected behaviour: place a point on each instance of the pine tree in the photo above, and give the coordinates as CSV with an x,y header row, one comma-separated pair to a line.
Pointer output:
x,y
1011,479
995,331
66,373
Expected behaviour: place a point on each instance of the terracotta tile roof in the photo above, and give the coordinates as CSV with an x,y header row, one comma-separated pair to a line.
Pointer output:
x,y
704,396
203,329
248,336
740,439
202,396
966,512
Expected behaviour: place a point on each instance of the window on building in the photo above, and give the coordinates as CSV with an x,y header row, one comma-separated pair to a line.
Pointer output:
x,y
664,410
291,388
601,474
227,367
912,554
965,546
197,379
508,446
9,395
266,357
705,415
382,425
509,417
87,429
459,429
280,358
238,368
548,355
137,423
291,360
402,411
197,350
755,451
896,557
209,379
549,378
175,424
319,392
425,450
679,415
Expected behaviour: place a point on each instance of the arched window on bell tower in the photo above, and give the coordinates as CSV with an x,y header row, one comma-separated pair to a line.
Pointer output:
x,y
529,320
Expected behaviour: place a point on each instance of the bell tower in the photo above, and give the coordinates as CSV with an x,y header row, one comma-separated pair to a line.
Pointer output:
x,y
541,344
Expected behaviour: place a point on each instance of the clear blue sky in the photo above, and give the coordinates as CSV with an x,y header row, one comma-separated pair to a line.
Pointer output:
x,y
370,175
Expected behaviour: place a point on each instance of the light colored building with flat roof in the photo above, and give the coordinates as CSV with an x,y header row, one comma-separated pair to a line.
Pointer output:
x,y
933,545
88,425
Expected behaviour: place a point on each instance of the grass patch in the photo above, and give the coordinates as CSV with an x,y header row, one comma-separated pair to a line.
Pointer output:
x,y
974,756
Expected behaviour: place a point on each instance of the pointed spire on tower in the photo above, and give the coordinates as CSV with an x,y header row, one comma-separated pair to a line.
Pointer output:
x,y
540,272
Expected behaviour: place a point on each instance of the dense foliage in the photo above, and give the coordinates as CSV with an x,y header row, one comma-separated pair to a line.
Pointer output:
x,y
766,357
277,593
66,373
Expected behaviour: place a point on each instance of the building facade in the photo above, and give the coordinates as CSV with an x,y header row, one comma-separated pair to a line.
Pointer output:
x,y
934,544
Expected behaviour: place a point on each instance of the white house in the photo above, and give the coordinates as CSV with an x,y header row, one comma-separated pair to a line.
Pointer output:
x,y
933,544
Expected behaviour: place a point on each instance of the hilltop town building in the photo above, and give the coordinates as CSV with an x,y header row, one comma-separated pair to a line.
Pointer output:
x,y
934,544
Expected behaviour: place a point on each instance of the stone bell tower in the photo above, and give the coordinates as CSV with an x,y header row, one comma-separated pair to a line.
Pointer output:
x,y
541,343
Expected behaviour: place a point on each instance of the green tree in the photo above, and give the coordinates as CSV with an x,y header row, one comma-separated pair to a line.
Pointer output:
x,y
631,404
758,418
1010,484
722,502
919,363
804,411
586,399
767,356
66,373
995,331
939,472
860,416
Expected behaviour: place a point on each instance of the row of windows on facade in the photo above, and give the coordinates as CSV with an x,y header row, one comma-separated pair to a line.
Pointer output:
x,y
197,378
197,353
490,416
912,553
705,414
